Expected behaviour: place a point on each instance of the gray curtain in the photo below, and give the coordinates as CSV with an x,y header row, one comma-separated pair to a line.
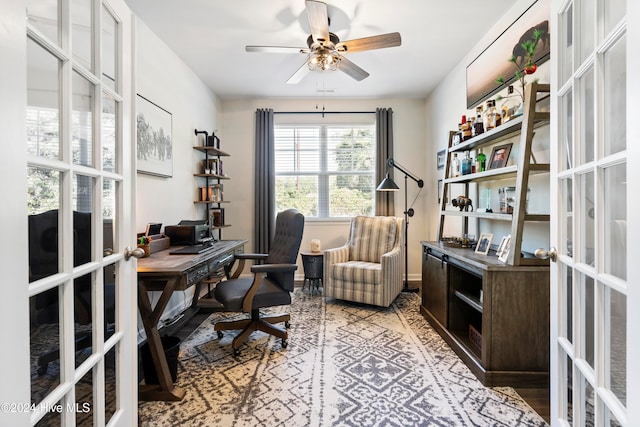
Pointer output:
x,y
384,151
265,185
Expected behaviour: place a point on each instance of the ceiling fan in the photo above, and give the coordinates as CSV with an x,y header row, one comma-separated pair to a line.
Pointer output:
x,y
324,49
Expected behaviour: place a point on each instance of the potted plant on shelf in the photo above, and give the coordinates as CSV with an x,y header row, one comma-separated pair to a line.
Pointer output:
x,y
525,66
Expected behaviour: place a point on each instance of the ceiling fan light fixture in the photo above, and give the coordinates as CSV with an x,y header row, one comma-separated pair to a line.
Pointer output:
x,y
323,60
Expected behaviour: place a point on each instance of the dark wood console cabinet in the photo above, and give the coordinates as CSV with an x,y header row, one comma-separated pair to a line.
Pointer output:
x,y
494,316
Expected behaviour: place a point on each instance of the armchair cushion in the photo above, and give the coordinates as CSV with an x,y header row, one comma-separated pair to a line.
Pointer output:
x,y
369,273
372,237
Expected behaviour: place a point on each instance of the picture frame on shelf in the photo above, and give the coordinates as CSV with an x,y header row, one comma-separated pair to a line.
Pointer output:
x,y
503,244
500,156
484,243
505,249
441,158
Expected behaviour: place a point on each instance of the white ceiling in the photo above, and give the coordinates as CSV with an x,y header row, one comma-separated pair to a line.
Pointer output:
x,y
210,36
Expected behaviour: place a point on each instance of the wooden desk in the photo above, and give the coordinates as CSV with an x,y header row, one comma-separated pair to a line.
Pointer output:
x,y
168,273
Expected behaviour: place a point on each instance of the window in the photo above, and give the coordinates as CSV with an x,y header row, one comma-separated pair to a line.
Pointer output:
x,y
325,170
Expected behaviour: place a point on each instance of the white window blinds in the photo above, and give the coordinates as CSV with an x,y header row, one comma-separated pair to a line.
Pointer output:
x,y
325,170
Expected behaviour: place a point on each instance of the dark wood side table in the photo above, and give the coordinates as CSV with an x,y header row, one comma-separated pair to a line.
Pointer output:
x,y
312,263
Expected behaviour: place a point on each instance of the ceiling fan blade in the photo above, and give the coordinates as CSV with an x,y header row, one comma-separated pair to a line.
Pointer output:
x,y
276,49
299,75
352,69
369,43
318,20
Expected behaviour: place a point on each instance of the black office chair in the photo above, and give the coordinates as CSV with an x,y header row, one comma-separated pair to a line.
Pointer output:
x,y
270,286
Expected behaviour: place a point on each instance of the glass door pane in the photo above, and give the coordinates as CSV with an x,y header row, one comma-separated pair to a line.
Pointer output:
x,y
82,125
44,16
615,98
615,223
587,23
586,117
82,32
566,131
109,53
43,102
566,45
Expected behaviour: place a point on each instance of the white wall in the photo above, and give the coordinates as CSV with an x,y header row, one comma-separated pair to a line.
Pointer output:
x,y
443,109
165,80
238,139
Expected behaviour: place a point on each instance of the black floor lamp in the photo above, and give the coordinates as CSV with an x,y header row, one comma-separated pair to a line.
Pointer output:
x,y
388,184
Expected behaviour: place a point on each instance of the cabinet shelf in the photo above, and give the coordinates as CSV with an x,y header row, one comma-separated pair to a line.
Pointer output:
x,y
210,202
499,173
497,216
523,128
211,151
473,301
210,175
217,227
500,133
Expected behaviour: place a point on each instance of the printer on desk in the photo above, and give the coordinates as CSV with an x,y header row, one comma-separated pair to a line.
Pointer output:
x,y
187,232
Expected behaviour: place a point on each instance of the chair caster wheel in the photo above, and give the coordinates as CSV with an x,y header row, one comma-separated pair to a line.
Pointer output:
x,y
236,352
285,343
287,324
220,335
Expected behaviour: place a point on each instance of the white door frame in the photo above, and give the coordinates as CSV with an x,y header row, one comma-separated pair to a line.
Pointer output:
x,y
15,394
632,415
633,208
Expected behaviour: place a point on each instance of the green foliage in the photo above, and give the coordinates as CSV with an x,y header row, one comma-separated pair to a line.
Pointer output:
x,y
42,190
529,47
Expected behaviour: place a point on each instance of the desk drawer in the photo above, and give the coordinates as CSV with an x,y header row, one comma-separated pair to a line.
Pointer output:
x,y
196,274
217,263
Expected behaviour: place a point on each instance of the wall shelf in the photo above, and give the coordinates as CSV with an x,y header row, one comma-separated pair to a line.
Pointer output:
x,y
522,126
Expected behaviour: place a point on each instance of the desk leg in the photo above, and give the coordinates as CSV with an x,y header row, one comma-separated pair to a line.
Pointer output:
x,y
150,318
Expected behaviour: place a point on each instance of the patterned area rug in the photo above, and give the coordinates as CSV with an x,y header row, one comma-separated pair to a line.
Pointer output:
x,y
345,365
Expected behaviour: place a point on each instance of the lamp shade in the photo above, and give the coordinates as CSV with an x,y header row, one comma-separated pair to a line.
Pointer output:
x,y
387,184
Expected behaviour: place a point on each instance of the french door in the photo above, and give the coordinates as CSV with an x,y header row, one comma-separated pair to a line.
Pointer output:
x,y
68,173
593,341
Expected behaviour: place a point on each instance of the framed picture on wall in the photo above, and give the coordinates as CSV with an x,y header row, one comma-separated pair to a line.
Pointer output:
x,y
493,62
154,139
441,158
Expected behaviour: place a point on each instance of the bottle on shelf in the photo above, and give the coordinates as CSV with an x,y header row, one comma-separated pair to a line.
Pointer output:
x,y
455,166
466,164
491,115
481,163
465,128
478,126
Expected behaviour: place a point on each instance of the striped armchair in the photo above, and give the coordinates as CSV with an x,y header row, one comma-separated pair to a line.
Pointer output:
x,y
368,268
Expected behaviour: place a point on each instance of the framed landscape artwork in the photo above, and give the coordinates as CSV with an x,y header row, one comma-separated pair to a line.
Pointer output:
x,y
154,144
494,62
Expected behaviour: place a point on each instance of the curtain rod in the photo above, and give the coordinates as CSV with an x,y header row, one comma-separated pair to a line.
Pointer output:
x,y
324,112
